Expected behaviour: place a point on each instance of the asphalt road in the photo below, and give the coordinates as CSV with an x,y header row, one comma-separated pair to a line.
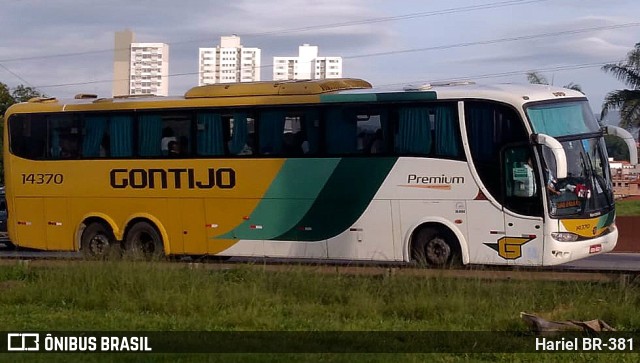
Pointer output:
x,y
606,261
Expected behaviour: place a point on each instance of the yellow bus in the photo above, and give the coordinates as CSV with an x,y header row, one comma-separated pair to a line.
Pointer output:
x,y
323,169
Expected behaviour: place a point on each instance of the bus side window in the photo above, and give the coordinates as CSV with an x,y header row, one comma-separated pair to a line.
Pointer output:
x,y
64,137
341,131
271,132
241,134
28,136
210,134
522,188
413,135
491,126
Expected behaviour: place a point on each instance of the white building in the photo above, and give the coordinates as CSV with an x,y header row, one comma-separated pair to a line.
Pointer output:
x,y
229,62
307,65
139,68
149,69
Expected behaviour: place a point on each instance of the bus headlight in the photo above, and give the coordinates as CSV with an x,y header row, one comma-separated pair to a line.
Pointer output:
x,y
564,236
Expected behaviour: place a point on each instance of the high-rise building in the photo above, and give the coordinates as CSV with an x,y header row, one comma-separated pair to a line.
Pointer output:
x,y
121,62
307,65
149,69
228,63
139,68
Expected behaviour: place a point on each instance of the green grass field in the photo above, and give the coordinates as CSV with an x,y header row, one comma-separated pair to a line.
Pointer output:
x,y
628,207
137,296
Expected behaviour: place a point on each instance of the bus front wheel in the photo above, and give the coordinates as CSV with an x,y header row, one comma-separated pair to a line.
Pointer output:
x,y
144,240
98,241
435,247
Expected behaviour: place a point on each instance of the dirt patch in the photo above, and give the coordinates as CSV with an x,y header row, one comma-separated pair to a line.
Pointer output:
x,y
631,197
10,284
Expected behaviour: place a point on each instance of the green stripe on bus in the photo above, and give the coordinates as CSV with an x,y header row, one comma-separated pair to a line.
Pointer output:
x,y
606,220
348,97
407,96
379,97
289,197
343,199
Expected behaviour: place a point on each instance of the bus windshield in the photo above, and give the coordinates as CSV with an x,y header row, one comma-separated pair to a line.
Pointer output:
x,y
587,190
560,119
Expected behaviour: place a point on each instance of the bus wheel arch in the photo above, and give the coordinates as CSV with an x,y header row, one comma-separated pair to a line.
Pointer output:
x,y
143,238
436,244
96,238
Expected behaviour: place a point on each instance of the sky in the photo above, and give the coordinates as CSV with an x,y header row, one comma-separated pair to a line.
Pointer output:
x,y
65,47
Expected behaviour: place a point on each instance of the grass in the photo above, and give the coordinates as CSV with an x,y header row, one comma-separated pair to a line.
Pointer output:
x,y
136,296
628,207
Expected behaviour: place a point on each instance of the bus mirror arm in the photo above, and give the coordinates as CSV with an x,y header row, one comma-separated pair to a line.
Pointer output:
x,y
628,139
558,152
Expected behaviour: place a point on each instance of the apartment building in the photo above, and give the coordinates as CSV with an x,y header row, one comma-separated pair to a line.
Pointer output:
x,y
229,62
307,65
139,68
149,69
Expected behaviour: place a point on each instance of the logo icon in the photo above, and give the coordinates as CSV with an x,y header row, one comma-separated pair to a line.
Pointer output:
x,y
23,342
509,248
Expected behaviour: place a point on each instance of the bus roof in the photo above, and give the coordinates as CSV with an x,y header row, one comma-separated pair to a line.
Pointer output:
x,y
301,92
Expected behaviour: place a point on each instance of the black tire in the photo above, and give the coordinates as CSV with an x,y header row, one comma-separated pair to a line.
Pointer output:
x,y
435,247
144,241
98,241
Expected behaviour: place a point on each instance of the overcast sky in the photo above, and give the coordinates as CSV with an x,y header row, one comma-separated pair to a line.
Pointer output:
x,y
65,47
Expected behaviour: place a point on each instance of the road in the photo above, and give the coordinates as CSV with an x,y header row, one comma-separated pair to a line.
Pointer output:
x,y
602,262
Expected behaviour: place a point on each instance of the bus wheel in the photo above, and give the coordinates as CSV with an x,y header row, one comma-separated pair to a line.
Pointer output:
x,y
434,247
144,241
97,241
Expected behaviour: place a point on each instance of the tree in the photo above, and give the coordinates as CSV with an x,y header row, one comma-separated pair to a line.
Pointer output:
x,y
537,78
7,98
20,93
626,100
616,148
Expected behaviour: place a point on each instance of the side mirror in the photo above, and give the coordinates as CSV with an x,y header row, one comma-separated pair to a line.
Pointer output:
x,y
558,152
628,139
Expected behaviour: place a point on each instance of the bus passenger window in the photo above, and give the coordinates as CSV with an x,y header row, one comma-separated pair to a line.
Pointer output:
x,y
210,134
241,135
176,128
356,131
413,135
271,137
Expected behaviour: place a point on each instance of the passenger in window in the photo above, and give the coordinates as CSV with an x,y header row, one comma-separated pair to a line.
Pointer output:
x,y
247,149
174,149
167,136
552,183
377,143
68,148
305,147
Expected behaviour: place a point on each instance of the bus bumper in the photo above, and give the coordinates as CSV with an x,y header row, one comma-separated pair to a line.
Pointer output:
x,y
556,252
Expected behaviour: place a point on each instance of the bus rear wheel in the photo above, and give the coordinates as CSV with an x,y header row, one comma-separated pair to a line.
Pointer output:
x,y
98,241
144,241
435,247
